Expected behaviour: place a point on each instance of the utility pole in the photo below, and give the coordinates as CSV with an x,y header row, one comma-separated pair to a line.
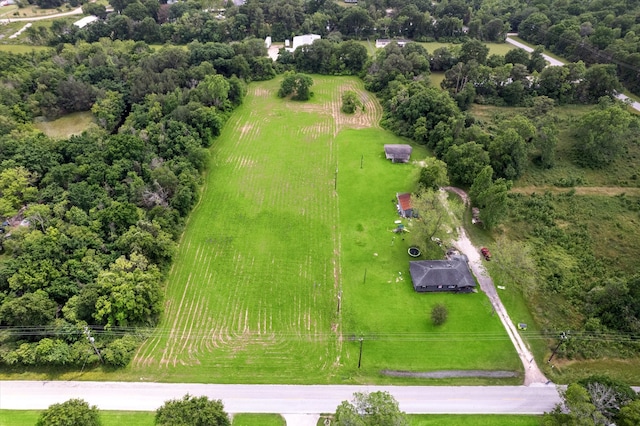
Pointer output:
x,y
360,357
563,338
339,300
91,340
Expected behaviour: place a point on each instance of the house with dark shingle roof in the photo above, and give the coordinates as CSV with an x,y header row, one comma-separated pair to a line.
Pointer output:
x,y
452,274
398,153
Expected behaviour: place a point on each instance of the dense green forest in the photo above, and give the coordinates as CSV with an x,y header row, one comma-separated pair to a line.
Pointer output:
x,y
92,220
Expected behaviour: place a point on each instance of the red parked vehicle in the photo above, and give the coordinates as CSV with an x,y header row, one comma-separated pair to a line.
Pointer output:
x,y
486,253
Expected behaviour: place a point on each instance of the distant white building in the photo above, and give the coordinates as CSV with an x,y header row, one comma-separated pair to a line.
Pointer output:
x,y
303,40
382,42
85,21
267,42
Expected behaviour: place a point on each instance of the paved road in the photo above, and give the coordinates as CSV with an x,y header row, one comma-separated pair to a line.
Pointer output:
x,y
287,399
77,11
552,62
556,63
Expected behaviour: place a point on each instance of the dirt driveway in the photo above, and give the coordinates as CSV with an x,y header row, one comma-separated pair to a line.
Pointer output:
x,y
532,375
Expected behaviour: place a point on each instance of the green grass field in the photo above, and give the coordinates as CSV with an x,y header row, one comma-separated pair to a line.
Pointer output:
x,y
109,418
258,420
132,418
475,420
253,294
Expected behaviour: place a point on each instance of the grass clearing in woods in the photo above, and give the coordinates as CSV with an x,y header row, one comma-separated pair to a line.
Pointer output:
x,y
494,48
67,125
20,48
622,173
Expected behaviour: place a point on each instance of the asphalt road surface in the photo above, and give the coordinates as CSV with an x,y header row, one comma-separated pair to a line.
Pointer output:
x,y
556,63
283,399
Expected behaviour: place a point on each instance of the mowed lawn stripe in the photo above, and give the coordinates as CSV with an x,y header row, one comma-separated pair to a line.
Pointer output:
x,y
252,294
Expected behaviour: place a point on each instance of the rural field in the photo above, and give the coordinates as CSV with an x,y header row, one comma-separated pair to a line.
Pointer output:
x,y
272,251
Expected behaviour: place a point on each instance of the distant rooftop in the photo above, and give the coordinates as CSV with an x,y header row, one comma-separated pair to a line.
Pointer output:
x,y
304,40
85,21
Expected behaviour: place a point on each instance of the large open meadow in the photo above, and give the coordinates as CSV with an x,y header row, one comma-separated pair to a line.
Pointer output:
x,y
288,260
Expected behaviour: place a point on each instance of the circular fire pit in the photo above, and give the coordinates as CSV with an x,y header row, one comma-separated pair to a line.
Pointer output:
x,y
414,252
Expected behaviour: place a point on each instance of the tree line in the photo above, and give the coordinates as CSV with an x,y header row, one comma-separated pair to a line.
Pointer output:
x,y
183,22
91,221
374,409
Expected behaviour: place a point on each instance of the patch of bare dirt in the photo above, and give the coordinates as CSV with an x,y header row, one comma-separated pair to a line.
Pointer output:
x,y
445,374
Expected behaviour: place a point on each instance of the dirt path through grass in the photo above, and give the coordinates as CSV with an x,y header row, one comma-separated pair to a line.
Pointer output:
x,y
579,190
532,373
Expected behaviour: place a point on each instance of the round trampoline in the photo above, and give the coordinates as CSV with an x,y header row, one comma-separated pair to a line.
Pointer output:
x,y
414,252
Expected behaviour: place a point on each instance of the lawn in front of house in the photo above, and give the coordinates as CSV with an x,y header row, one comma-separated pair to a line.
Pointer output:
x,y
379,303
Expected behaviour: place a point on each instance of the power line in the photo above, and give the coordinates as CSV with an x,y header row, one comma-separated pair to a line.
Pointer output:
x,y
181,334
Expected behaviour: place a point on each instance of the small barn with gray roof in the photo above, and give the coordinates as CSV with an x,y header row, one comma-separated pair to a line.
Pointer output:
x,y
398,153
452,274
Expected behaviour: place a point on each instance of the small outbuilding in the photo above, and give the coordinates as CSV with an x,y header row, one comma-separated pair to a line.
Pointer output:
x,y
405,209
303,40
452,275
398,153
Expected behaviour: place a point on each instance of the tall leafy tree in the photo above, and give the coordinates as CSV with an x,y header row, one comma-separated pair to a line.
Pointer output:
x,y
297,85
466,161
74,412
433,174
600,135
16,189
192,411
31,309
130,293
370,409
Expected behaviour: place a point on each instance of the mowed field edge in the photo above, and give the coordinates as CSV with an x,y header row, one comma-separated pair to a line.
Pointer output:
x,y
252,292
